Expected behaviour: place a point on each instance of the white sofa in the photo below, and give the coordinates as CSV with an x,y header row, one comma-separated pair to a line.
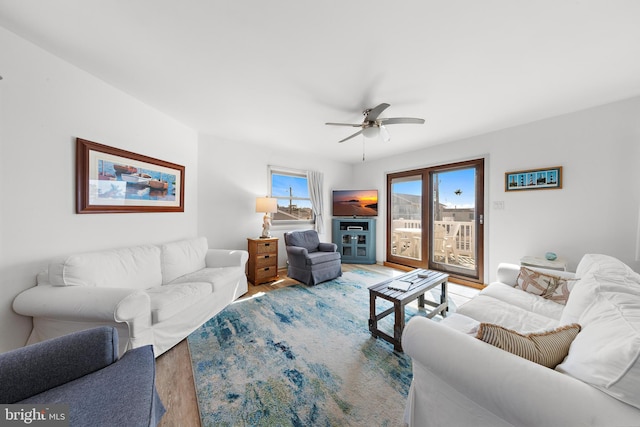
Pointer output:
x,y
460,380
153,294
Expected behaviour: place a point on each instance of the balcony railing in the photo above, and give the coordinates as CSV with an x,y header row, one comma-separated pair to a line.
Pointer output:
x,y
454,241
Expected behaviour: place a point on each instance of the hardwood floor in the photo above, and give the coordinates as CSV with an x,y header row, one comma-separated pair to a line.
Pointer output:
x,y
174,381
174,375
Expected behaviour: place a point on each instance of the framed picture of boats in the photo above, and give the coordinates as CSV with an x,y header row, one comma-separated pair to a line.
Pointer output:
x,y
534,179
110,180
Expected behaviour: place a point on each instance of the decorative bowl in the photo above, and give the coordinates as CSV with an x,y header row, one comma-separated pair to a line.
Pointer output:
x,y
551,256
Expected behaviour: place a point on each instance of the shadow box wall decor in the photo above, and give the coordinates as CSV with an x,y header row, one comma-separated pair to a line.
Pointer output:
x,y
534,179
110,180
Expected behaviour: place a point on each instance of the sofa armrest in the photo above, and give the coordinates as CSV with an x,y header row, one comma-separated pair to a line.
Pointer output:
x,y
83,303
297,255
512,388
508,273
30,370
226,258
297,251
327,247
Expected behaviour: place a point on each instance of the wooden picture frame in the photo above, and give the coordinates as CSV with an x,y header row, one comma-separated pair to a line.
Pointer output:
x,y
534,179
110,180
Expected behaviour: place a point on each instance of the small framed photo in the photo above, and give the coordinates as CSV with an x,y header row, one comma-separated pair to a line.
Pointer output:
x,y
534,179
110,180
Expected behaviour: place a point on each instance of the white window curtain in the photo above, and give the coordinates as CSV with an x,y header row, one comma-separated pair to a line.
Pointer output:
x,y
315,193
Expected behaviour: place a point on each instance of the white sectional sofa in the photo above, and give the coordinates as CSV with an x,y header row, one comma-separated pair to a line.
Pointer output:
x,y
153,294
460,380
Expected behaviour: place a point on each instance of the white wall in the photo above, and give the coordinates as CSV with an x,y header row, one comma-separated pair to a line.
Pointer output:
x,y
233,174
45,104
595,212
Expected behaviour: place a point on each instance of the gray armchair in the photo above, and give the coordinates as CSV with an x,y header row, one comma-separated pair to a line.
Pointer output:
x,y
82,370
311,261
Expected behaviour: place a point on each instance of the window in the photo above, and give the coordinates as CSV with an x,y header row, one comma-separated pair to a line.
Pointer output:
x,y
292,191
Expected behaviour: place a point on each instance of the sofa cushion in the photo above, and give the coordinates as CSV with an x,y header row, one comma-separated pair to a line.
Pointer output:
x,y
307,239
602,264
136,267
585,264
595,281
169,300
183,257
549,286
488,309
606,354
320,257
524,300
547,348
582,294
212,276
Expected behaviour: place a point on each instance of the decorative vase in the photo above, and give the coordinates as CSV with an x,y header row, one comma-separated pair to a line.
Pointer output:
x,y
551,256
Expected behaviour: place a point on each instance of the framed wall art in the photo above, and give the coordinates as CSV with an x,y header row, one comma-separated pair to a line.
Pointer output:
x,y
110,180
534,179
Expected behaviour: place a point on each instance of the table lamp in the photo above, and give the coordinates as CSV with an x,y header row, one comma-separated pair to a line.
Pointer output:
x,y
267,205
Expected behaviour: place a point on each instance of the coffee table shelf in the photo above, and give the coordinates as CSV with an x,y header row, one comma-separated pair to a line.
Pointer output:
x,y
399,299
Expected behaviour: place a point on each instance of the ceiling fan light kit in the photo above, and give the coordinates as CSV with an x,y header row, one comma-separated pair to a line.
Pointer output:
x,y
370,132
372,125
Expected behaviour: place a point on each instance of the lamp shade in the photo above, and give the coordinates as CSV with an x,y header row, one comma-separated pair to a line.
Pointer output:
x,y
266,204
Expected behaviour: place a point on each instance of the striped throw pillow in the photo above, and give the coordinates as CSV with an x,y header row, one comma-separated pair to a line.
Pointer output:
x,y
545,348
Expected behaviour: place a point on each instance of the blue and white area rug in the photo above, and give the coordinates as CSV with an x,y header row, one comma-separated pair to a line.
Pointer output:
x,y
300,356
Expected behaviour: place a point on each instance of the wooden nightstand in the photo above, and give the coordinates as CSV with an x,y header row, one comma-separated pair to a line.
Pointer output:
x,y
263,260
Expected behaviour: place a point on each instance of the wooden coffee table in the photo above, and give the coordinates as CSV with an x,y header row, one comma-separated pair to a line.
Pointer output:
x,y
401,298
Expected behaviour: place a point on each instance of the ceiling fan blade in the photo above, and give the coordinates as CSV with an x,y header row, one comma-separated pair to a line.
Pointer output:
x,y
351,136
376,111
384,134
396,120
345,124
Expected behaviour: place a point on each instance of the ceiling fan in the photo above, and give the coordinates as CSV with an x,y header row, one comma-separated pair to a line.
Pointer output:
x,y
372,125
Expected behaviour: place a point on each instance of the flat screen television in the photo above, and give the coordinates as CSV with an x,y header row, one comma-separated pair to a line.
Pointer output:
x,y
355,203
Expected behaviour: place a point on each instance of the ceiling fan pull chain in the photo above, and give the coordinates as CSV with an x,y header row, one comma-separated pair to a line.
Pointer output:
x,y
363,148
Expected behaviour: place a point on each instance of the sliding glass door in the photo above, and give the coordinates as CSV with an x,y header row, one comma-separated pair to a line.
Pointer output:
x,y
436,218
453,220
406,218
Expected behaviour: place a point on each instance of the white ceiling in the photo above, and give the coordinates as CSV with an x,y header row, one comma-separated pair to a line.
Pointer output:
x,y
273,72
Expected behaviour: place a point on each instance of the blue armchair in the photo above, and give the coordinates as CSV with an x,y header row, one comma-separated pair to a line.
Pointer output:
x,y
309,260
82,370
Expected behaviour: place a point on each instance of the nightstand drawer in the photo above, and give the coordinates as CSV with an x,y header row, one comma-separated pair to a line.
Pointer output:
x,y
266,261
266,248
266,272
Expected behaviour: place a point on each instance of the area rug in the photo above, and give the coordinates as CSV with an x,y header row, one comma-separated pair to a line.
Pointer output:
x,y
300,356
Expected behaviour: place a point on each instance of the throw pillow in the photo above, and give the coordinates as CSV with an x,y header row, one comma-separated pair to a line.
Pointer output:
x,y
554,288
545,348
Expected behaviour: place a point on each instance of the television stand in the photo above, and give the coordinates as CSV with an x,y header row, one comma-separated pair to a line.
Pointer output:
x,y
356,239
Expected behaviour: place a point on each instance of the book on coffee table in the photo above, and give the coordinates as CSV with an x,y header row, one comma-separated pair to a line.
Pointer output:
x,y
400,285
